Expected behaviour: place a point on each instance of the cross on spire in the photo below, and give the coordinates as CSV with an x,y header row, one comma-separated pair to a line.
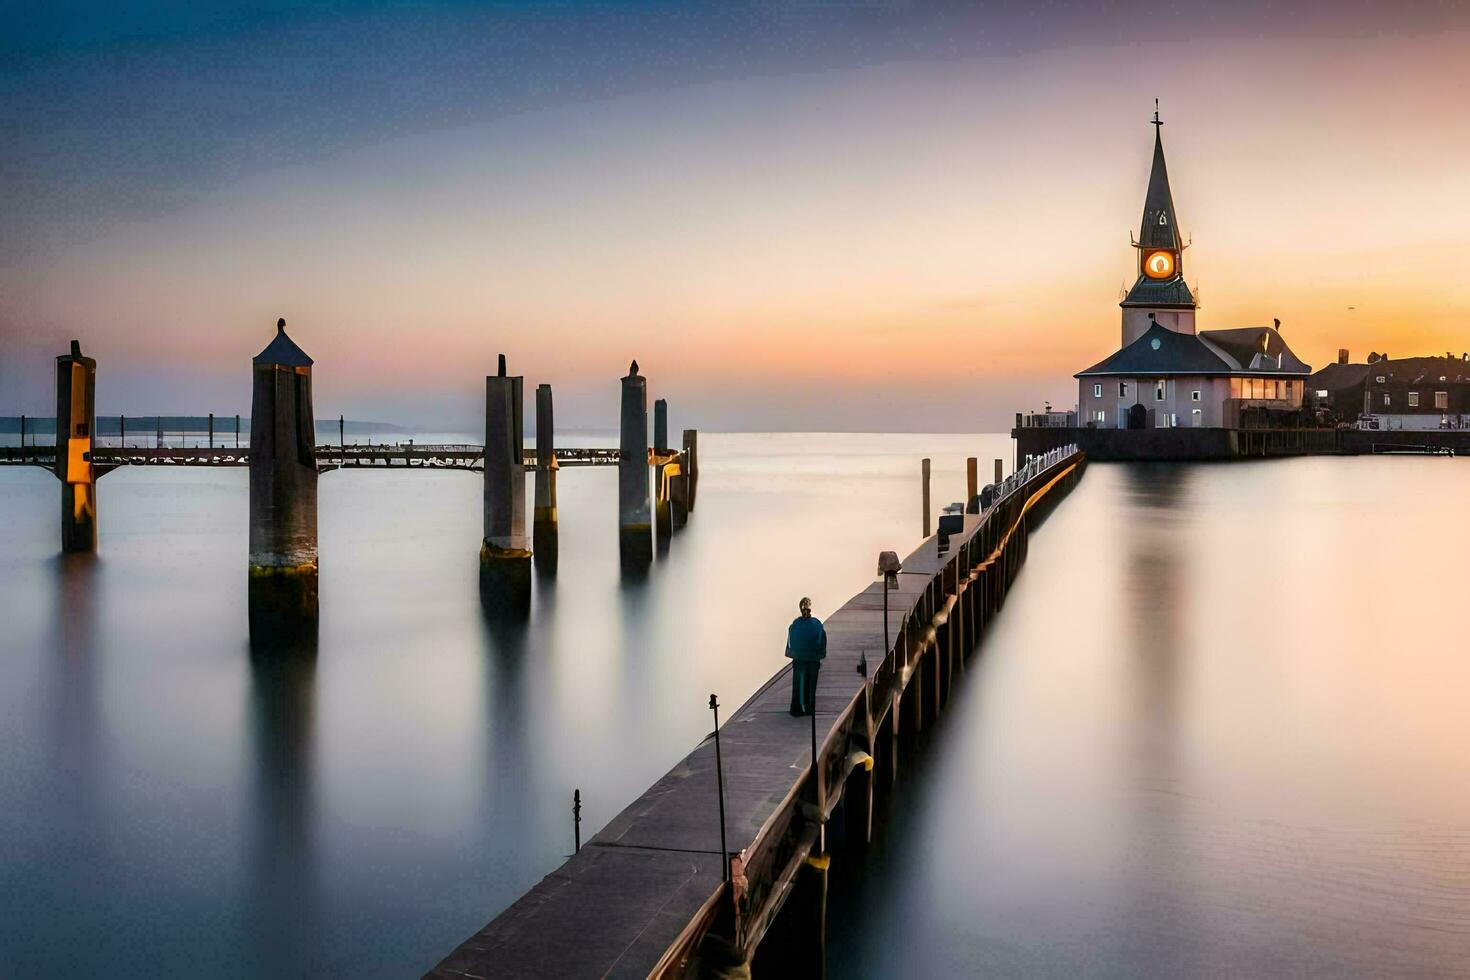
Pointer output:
x,y
1157,122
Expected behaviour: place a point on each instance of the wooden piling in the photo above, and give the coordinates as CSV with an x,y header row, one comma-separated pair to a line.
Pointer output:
x,y
545,537
635,541
76,424
505,561
972,478
662,518
924,477
691,467
999,471
283,475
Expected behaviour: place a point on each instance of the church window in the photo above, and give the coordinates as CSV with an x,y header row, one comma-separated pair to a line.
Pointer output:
x,y
1442,400
1100,416
1160,390
1194,395
1097,391
1386,401
1413,399
1122,389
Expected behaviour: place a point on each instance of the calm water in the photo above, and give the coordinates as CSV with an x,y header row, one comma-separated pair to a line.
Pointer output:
x,y
169,807
1221,729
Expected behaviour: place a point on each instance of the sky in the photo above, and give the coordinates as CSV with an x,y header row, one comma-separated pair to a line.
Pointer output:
x,y
814,216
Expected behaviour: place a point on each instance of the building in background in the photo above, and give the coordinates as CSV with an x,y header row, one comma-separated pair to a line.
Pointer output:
x,y
1411,393
1167,374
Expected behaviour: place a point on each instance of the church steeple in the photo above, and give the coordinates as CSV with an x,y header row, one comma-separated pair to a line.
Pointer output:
x,y
1160,227
1160,294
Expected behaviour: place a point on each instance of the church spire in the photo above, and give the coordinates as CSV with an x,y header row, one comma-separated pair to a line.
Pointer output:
x,y
1160,228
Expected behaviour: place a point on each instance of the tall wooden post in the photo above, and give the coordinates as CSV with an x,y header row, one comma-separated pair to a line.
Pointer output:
x,y
691,467
663,526
505,561
924,478
972,478
283,541
545,536
76,424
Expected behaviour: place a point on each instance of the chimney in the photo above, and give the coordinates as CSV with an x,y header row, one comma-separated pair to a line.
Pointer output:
x,y
1276,322
1342,355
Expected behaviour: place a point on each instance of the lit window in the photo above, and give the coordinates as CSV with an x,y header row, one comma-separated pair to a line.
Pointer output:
x,y
1413,399
1441,400
1380,379
1100,416
1097,391
1386,402
1321,392
1194,395
1160,388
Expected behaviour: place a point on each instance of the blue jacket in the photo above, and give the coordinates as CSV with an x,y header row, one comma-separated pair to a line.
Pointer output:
x,y
806,639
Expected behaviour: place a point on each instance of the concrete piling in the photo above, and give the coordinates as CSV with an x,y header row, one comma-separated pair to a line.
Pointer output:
x,y
505,561
283,540
635,544
924,477
76,425
544,533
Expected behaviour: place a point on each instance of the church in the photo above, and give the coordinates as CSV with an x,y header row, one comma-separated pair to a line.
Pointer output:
x,y
1167,373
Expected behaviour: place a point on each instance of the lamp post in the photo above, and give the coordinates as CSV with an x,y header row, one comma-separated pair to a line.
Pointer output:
x,y
714,706
577,820
888,566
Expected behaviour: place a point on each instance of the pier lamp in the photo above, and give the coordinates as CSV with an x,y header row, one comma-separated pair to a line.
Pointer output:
x,y
888,566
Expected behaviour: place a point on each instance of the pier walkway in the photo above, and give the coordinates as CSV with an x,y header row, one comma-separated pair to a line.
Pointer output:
x,y
647,895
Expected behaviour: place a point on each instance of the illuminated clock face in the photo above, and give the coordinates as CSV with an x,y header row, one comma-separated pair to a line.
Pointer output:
x,y
1159,264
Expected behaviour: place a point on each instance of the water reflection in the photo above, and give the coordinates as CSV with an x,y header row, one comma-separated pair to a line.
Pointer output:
x,y
73,741
281,857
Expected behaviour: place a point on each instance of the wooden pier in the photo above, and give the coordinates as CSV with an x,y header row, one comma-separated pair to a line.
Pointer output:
x,y
652,894
395,455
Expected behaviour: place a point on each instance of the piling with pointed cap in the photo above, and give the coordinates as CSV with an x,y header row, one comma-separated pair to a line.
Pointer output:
x,y
283,475
544,533
635,540
76,424
505,561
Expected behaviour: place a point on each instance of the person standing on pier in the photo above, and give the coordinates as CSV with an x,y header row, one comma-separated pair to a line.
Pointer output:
x,y
806,645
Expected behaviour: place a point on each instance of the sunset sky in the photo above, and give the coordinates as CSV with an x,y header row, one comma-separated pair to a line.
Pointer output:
x,y
884,216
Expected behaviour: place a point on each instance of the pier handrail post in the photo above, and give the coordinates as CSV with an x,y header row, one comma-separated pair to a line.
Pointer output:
x,y
577,820
817,779
22,438
714,706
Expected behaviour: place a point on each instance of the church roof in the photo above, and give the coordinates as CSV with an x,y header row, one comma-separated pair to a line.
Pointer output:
x,y
1161,351
282,350
1160,228
1154,292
